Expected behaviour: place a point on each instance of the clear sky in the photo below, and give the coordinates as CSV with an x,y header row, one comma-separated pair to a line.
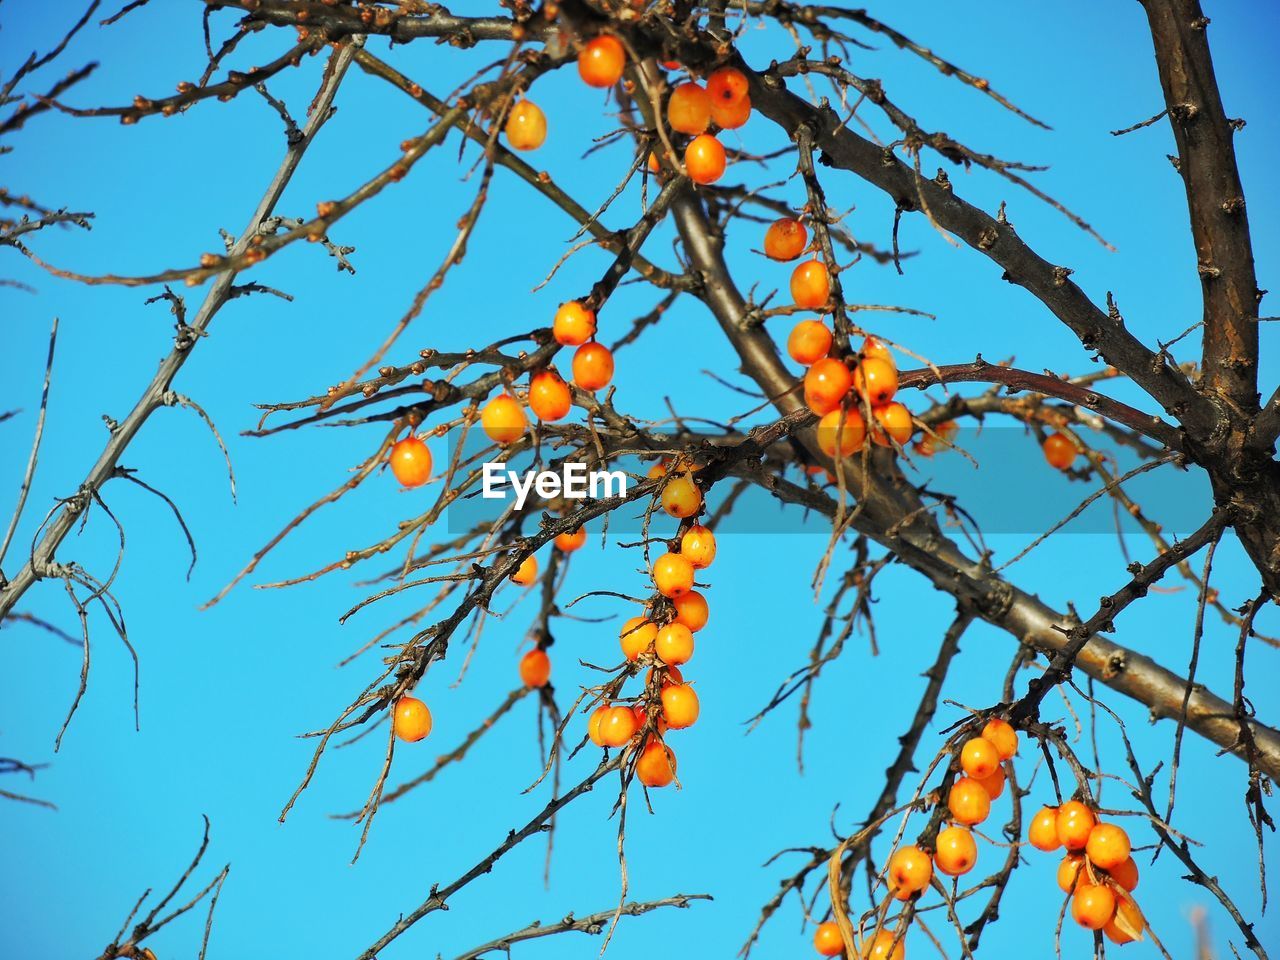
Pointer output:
x,y
225,692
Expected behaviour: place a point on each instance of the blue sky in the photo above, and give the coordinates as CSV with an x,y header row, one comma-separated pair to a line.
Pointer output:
x,y
225,692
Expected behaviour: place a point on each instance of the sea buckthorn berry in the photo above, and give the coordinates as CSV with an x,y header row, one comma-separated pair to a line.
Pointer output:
x,y
827,940
1092,905
910,871
1107,846
526,126
689,110
574,324
681,497
592,366
731,116
785,239
809,341
979,758
411,719
535,668
893,422
826,384
503,419
968,802
674,644
656,766
618,726
658,470
1069,871
704,159
636,636
593,724
692,610
679,705
1059,451
673,575
549,396
1127,924
1002,736
601,61
699,545
873,349
1125,874
527,572
1042,832
994,784
842,433
411,462
654,166
569,542
956,851
811,285
727,85
880,947
1075,823
940,439
875,380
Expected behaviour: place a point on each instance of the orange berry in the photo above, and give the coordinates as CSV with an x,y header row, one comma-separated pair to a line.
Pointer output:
x,y
994,784
875,380
670,674
618,726
569,542
636,636
1107,846
1059,451
549,396
574,324
956,853
681,497
810,340
827,940
592,366
704,159
842,433
673,575
826,384
679,705
526,126
1125,874
968,802
940,439
594,724
1093,905
731,116
874,349
1069,871
669,64
656,766
785,239
811,285
1002,736
1127,924
893,422
692,610
654,166
411,462
503,419
601,61
535,668
411,719
1074,824
699,545
674,644
880,947
979,758
527,572
1042,832
910,871
727,85
689,109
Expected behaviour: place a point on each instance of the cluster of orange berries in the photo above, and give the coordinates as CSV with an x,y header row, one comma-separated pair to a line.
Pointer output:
x,y
1098,871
